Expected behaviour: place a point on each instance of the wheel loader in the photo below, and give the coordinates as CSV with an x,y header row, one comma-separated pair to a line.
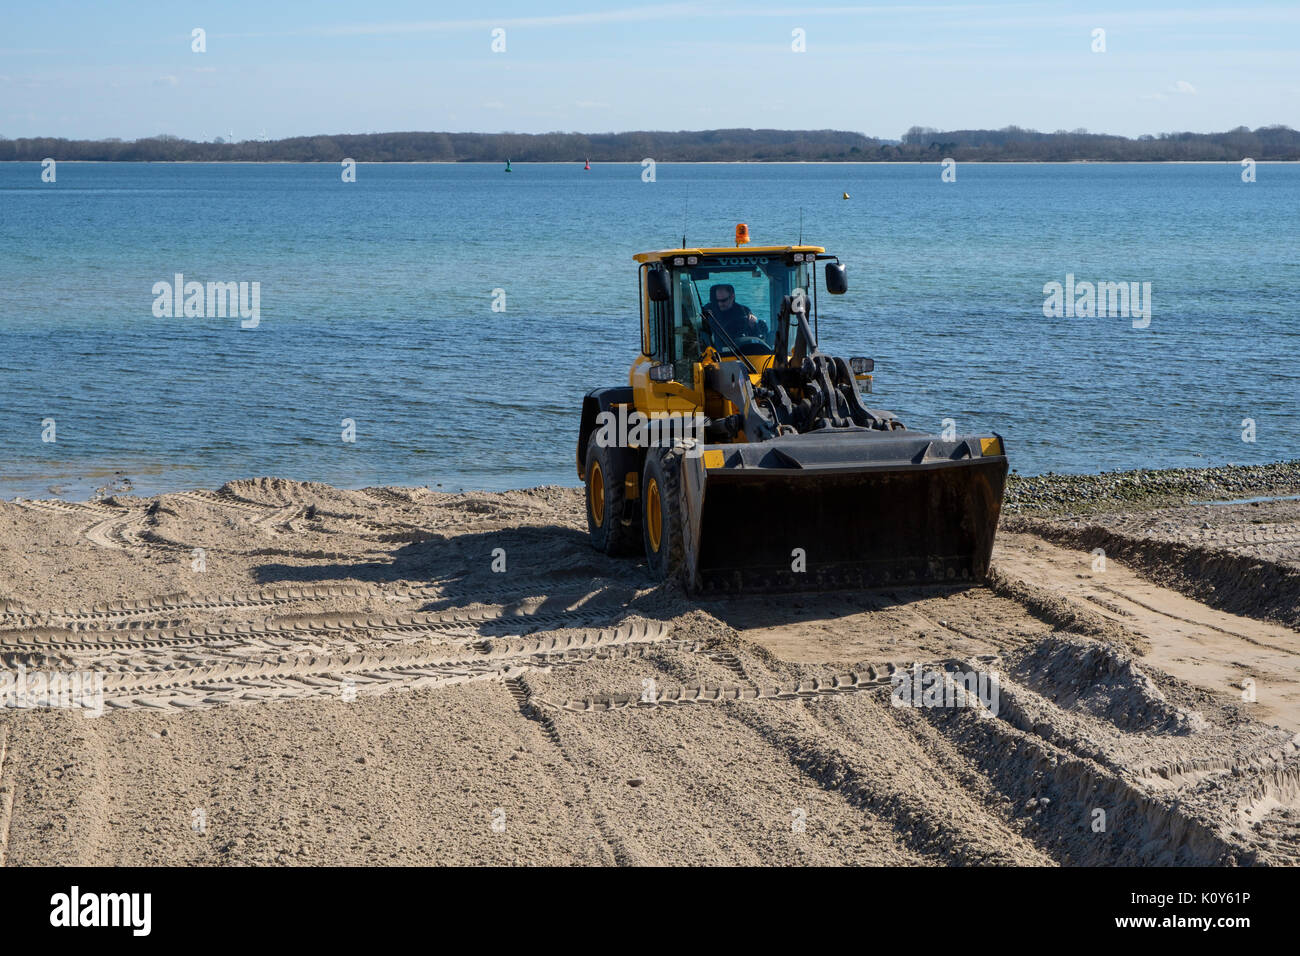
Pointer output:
x,y
740,457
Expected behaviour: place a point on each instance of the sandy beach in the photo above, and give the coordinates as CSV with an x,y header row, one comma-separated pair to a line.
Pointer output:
x,y
296,674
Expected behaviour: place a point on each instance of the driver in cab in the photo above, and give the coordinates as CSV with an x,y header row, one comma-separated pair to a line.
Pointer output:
x,y
735,319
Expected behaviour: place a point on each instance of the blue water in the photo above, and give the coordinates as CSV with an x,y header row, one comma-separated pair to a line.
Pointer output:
x,y
376,306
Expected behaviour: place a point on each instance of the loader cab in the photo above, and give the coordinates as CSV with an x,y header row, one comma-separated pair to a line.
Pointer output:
x,y
675,330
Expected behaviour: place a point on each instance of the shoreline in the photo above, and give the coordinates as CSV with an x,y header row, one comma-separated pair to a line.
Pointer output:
x,y
1048,493
665,162
1144,488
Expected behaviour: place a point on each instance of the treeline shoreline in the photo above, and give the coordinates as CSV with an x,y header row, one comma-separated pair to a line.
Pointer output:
x,y
684,162
918,144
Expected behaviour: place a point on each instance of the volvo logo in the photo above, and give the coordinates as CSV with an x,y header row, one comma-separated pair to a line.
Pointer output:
x,y
743,260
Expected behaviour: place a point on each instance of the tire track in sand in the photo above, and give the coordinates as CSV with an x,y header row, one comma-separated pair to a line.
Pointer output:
x,y
326,674
615,848
6,797
507,602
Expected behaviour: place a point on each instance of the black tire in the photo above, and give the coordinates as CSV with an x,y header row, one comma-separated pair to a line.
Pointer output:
x,y
661,509
606,470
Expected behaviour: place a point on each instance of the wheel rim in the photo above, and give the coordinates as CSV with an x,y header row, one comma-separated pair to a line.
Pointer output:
x,y
654,514
597,494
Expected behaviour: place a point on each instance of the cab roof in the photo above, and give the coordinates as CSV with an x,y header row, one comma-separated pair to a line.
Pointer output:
x,y
661,254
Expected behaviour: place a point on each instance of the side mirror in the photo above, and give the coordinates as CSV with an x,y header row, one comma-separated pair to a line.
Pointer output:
x,y
663,372
657,285
837,280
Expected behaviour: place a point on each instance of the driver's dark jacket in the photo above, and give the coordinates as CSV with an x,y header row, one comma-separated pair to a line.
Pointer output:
x,y
735,320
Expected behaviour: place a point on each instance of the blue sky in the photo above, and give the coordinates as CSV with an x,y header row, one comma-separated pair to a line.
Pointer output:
x,y
95,69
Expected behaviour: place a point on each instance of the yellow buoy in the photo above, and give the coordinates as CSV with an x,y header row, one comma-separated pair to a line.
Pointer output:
x,y
846,195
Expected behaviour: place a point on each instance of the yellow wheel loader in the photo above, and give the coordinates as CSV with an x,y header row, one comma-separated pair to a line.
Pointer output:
x,y
740,457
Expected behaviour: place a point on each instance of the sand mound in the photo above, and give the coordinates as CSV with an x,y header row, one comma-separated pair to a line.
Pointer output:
x,y
1244,558
1096,678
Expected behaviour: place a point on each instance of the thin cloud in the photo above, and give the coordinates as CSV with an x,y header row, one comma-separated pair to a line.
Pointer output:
x,y
1180,88
629,15
989,15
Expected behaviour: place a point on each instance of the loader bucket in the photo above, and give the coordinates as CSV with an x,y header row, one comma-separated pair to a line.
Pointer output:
x,y
845,509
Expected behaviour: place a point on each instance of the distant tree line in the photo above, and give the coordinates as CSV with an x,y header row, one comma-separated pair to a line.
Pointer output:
x,y
921,144
1015,144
